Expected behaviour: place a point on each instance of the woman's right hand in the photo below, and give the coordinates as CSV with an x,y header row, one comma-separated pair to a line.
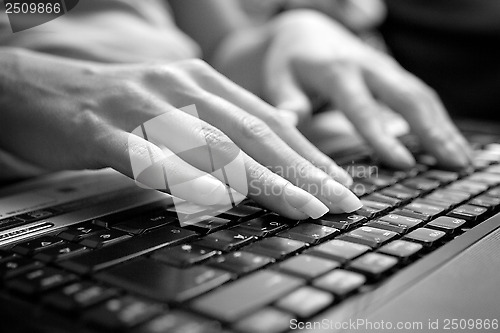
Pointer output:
x,y
61,114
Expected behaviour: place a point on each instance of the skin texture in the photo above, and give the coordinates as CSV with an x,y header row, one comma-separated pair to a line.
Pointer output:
x,y
62,114
304,53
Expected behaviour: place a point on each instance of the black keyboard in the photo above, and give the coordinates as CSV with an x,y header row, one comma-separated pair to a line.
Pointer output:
x,y
247,269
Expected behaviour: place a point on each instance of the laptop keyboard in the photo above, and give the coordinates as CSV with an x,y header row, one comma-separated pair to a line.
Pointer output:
x,y
246,270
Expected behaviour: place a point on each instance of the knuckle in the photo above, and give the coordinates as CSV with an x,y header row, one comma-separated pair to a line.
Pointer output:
x,y
219,143
258,173
254,128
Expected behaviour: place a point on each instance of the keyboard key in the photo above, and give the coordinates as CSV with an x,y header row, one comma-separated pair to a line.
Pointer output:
x,y
78,296
397,220
156,207
265,225
372,237
373,264
184,255
39,280
243,213
104,238
467,186
126,250
268,320
307,267
36,245
411,214
425,236
242,297
430,210
119,314
14,265
468,212
79,231
453,197
177,321
442,204
369,212
400,192
240,262
446,224
490,179
377,207
486,202
339,250
162,282
397,175
59,252
146,222
421,184
341,221
225,240
276,247
493,169
389,225
309,233
361,188
393,202
494,192
305,301
401,249
442,176
207,224
379,180
340,282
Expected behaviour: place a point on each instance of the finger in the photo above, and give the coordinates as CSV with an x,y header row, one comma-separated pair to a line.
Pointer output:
x,y
146,163
206,148
282,89
426,116
223,87
352,96
261,143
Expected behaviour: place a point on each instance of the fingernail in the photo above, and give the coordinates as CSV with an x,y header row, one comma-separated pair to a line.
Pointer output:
x,y
403,156
350,203
340,175
304,201
206,190
340,197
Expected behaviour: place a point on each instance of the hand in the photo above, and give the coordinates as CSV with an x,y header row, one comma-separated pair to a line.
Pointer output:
x,y
309,54
356,15
62,114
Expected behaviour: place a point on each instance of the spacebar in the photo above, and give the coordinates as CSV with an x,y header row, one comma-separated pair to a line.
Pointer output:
x,y
136,246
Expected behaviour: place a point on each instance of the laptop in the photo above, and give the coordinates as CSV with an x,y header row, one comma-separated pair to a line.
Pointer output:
x,y
91,251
